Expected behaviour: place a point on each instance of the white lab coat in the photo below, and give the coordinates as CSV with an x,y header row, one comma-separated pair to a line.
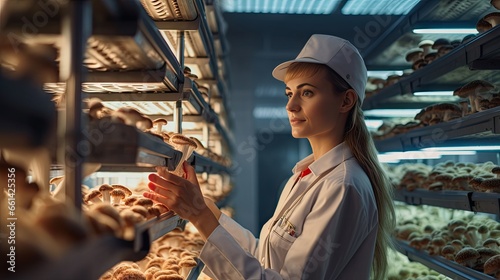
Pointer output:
x,y
335,229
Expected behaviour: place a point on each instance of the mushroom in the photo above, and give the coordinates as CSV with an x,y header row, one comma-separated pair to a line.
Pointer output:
x,y
467,38
484,231
472,89
440,42
186,265
467,257
97,110
492,243
490,185
492,18
475,183
413,55
149,272
117,195
496,170
131,274
436,244
444,50
108,210
130,200
141,210
457,244
420,63
158,124
156,262
145,202
186,146
495,3
430,57
426,46
125,190
492,265
485,254
153,212
472,236
93,196
448,251
483,26
105,189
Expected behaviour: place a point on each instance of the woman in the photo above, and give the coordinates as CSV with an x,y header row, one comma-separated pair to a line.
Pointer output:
x,y
335,215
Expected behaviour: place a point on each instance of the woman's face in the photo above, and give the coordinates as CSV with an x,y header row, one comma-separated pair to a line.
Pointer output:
x,y
314,107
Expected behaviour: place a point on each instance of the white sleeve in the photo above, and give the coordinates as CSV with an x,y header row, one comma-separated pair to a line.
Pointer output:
x,y
243,236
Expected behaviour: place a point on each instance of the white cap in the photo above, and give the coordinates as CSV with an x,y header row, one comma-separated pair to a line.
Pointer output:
x,y
338,54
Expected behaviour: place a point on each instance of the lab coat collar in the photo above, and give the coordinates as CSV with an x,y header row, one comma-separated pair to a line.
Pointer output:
x,y
335,156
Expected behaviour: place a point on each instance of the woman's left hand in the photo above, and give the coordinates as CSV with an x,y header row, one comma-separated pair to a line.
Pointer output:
x,y
183,196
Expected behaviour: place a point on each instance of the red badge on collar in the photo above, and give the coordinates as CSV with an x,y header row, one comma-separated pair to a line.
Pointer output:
x,y
305,173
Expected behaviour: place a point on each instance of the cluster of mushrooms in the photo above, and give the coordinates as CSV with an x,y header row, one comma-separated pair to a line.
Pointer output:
x,y
171,257
449,175
467,239
402,268
476,96
131,116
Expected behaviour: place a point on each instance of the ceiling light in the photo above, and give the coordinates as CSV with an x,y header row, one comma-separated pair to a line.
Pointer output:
x,y
280,6
445,31
394,157
433,93
464,148
380,7
400,113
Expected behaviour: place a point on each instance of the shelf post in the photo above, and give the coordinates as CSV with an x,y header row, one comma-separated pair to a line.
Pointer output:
x,y
76,28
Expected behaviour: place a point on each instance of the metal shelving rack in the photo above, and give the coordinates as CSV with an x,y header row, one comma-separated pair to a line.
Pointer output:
x,y
124,57
478,128
476,59
446,73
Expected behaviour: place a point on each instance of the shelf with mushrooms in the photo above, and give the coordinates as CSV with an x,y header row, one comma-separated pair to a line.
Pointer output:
x,y
481,127
446,73
183,25
456,243
135,60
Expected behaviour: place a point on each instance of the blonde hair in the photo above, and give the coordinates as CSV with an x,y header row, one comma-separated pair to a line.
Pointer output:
x,y
359,140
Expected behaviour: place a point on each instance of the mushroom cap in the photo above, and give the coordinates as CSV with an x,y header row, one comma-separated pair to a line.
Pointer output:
x,y
467,38
117,193
413,54
424,43
130,200
482,25
182,140
419,64
491,241
473,87
141,210
492,265
495,170
146,202
160,121
467,254
105,187
440,42
495,3
491,184
198,143
491,16
108,210
448,249
430,56
92,194
125,190
188,262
